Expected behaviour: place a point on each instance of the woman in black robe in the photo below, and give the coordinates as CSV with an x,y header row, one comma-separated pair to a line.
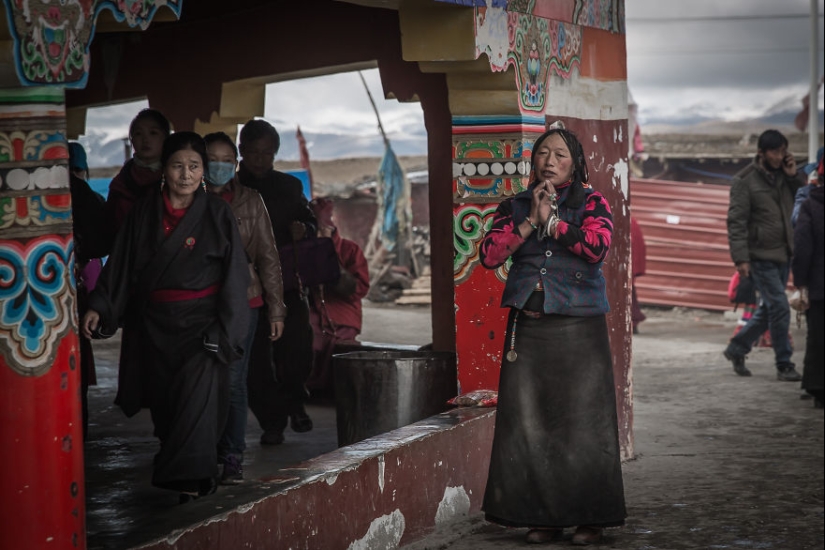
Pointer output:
x,y
176,282
555,461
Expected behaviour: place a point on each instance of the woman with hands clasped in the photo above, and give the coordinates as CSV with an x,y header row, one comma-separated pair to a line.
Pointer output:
x,y
555,460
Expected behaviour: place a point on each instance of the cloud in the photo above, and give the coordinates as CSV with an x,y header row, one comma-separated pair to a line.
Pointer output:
x,y
668,105
112,122
339,103
736,66
687,62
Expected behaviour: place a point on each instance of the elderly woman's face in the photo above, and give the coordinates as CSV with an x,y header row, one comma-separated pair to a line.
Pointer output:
x,y
552,161
183,172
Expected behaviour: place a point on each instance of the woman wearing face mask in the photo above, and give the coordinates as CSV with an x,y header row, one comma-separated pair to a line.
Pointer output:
x,y
266,286
177,281
555,460
142,173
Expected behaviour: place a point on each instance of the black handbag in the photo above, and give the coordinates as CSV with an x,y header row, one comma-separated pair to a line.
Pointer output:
x,y
745,292
309,262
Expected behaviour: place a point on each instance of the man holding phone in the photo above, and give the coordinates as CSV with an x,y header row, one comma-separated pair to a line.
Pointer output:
x,y
760,235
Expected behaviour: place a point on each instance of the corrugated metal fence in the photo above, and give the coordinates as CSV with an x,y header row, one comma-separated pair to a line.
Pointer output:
x,y
685,230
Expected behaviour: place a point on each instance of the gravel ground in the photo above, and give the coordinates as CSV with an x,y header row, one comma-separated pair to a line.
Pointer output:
x,y
721,461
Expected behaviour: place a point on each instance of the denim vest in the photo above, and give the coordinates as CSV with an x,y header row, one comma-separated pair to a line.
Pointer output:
x,y
572,286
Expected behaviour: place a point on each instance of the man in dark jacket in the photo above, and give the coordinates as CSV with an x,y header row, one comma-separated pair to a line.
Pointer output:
x,y
761,245
277,396
92,240
809,278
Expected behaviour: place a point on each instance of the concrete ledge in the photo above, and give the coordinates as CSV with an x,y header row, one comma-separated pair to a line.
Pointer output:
x,y
382,492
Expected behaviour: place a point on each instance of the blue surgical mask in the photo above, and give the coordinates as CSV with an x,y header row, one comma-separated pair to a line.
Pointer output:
x,y
220,173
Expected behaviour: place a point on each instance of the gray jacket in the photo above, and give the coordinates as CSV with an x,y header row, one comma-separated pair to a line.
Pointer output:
x,y
759,215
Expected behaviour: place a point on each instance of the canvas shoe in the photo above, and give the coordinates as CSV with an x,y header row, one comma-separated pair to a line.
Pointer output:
x,y
232,471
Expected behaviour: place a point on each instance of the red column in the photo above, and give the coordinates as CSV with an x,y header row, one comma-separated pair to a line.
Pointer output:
x,y
41,443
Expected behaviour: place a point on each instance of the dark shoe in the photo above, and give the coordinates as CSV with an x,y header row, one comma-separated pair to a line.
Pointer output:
x,y
738,363
185,498
207,486
232,471
272,437
541,536
819,403
300,422
585,536
788,375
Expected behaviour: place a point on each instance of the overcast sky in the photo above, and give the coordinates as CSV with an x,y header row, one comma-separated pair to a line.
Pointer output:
x,y
719,59
730,59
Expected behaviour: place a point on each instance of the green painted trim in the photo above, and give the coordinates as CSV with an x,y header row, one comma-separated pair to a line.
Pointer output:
x,y
38,94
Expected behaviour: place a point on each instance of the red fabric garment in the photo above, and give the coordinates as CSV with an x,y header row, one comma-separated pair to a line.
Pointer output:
x,y
337,318
177,295
302,148
638,144
323,209
638,249
171,216
227,193
591,241
732,284
130,184
346,312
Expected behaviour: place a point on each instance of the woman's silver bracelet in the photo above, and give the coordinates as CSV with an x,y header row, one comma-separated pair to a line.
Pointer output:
x,y
549,229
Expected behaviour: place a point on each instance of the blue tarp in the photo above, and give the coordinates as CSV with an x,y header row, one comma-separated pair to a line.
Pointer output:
x,y
391,181
302,175
100,185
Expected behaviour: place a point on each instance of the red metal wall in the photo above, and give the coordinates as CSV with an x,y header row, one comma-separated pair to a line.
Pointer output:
x,y
685,230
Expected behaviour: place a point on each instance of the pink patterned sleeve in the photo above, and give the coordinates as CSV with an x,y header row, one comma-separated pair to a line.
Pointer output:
x,y
592,240
503,238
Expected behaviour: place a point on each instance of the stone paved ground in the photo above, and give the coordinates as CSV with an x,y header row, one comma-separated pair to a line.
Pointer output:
x,y
721,461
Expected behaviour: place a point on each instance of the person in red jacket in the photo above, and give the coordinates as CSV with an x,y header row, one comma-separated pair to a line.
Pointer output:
x,y
142,173
638,261
335,312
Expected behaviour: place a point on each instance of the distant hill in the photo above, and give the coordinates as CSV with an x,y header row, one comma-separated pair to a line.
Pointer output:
x,y
103,151
107,150
779,116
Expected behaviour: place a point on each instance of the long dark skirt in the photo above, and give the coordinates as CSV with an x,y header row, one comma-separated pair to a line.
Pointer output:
x,y
188,393
813,375
555,459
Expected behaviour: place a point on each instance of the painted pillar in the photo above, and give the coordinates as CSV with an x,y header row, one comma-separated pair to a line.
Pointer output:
x,y
545,61
42,502
42,443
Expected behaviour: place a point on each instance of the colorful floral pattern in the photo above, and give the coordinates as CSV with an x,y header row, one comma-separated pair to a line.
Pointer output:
x,y
52,37
35,211
471,223
607,15
37,293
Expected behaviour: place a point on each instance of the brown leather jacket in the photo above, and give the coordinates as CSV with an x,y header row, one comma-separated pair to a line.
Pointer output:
x,y
259,244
